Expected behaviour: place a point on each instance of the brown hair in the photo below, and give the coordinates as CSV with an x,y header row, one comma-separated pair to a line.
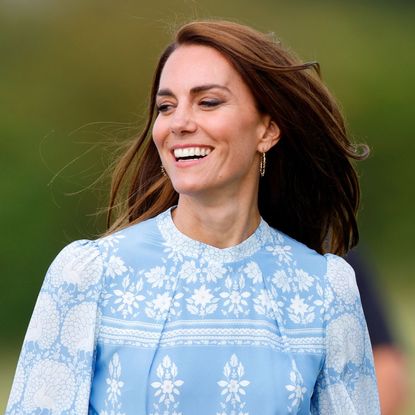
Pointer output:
x,y
310,190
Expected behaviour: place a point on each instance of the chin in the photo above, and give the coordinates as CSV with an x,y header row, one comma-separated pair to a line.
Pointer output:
x,y
189,188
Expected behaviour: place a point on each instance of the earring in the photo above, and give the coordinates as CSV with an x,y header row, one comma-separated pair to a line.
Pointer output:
x,y
262,165
163,171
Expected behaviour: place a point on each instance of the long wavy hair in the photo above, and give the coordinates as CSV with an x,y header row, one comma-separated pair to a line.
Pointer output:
x,y
310,190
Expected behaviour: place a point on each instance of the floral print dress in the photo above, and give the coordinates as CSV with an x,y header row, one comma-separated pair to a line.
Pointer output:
x,y
149,321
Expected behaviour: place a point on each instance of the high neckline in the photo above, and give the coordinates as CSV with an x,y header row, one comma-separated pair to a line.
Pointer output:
x,y
181,245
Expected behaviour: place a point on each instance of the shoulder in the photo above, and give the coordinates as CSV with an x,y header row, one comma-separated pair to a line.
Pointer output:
x,y
293,254
79,264
82,264
129,247
131,237
332,268
341,278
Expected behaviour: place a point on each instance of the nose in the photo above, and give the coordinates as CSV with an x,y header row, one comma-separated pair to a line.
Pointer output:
x,y
182,120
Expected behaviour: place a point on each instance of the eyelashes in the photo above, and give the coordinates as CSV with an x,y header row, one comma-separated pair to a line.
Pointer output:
x,y
163,107
210,103
205,103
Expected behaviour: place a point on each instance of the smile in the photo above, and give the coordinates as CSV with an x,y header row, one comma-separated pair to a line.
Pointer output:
x,y
191,153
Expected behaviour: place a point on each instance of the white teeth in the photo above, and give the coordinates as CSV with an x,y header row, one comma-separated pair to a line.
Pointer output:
x,y
178,152
191,151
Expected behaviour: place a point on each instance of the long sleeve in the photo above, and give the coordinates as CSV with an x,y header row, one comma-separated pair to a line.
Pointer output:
x,y
54,370
347,381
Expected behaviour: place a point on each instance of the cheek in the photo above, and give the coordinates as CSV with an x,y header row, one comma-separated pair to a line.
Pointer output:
x,y
158,132
244,127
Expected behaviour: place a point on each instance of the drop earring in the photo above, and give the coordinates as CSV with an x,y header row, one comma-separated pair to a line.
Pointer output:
x,y
262,165
163,171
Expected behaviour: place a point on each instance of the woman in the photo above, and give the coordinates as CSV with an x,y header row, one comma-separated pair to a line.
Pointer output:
x,y
213,291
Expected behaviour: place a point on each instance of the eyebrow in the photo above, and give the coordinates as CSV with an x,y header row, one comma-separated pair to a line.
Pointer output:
x,y
195,90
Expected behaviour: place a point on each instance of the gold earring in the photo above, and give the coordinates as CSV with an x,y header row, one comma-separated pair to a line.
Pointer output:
x,y
163,171
262,165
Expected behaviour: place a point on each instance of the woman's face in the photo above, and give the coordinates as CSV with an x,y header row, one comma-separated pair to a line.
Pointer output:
x,y
208,131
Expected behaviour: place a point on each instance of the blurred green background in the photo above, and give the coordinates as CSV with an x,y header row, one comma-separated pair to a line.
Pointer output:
x,y
74,79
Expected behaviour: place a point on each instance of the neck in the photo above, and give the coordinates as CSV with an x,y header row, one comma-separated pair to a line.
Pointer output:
x,y
217,224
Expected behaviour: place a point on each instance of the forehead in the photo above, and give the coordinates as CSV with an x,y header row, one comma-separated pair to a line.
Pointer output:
x,y
189,65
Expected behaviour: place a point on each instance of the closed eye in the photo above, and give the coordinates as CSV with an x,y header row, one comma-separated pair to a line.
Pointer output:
x,y
164,107
210,103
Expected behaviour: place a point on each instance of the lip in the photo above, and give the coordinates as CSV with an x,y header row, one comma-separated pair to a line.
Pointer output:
x,y
189,163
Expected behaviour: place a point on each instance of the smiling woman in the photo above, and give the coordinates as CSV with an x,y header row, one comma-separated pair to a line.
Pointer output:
x,y
216,290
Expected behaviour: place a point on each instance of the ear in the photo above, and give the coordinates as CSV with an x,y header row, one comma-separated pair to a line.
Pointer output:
x,y
270,136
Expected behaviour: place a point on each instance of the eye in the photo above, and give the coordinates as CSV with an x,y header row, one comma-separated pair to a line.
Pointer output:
x,y
164,107
210,103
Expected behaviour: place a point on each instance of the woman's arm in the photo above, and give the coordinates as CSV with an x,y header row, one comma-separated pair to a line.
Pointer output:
x,y
347,381
55,367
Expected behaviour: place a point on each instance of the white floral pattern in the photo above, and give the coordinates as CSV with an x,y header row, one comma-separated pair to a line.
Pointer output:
x,y
341,278
167,388
233,388
266,304
282,281
295,388
335,399
112,403
300,311
115,266
303,280
364,394
235,298
76,266
214,271
189,272
157,277
265,301
129,297
281,250
253,272
50,386
77,335
82,397
58,347
202,302
345,342
44,326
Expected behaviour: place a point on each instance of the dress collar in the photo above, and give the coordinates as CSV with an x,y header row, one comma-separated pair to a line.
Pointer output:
x,y
179,245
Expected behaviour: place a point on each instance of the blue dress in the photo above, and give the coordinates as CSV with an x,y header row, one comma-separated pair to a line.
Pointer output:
x,y
147,321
